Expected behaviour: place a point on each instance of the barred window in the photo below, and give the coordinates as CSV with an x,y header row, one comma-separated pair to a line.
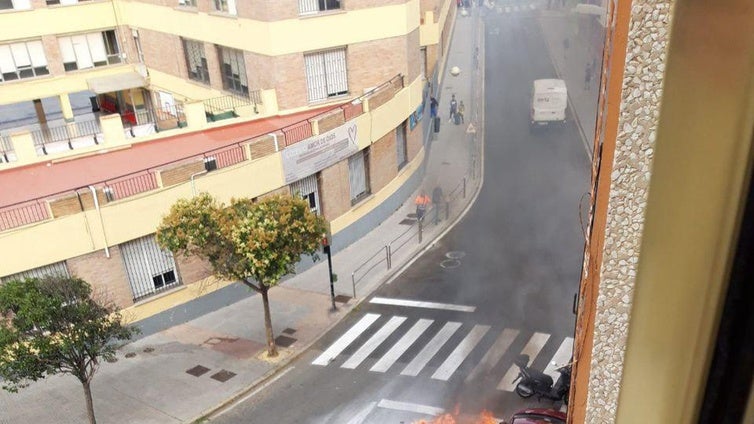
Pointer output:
x,y
358,175
233,69
196,61
226,6
56,269
326,74
315,6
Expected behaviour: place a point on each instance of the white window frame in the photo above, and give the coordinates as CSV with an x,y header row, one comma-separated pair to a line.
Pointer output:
x,y
237,81
22,60
358,176
310,7
225,6
326,74
146,265
90,50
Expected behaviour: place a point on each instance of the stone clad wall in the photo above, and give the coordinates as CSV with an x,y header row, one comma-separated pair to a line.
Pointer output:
x,y
646,52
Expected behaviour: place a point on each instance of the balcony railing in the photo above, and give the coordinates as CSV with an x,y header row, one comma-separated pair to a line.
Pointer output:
x,y
6,149
52,139
37,210
224,107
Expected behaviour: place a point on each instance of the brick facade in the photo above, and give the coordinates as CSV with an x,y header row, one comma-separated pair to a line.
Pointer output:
x,y
383,162
414,141
106,275
192,269
334,190
330,120
180,173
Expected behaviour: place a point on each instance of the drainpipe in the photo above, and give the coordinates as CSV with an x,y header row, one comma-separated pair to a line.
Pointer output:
x,y
193,187
101,222
275,139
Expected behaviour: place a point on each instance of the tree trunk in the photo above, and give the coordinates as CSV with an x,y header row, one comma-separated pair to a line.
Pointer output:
x,y
89,402
272,349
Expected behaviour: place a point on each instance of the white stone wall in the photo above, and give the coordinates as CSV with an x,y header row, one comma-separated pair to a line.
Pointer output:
x,y
637,126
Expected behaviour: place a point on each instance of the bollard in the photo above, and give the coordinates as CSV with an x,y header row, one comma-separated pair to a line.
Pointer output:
x,y
387,257
353,284
420,230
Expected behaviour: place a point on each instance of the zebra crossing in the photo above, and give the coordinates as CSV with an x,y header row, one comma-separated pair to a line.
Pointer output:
x,y
423,344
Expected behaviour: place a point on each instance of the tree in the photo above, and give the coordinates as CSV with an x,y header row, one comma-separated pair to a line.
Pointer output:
x,y
53,326
256,243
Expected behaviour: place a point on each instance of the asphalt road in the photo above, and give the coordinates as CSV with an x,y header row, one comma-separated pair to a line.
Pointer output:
x,y
521,247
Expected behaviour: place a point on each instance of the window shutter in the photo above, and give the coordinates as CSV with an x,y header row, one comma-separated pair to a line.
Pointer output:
x,y
66,50
20,55
97,47
7,65
81,47
307,6
21,4
37,53
357,175
232,10
315,76
337,74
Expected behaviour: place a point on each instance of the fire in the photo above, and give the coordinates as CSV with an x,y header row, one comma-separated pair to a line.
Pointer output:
x,y
485,417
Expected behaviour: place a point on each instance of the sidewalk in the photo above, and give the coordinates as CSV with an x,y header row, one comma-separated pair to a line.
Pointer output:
x,y
570,64
150,382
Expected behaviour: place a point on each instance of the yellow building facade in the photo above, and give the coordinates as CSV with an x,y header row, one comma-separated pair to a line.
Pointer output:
x,y
198,95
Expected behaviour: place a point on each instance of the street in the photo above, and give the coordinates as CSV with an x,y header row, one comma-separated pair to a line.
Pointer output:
x,y
443,335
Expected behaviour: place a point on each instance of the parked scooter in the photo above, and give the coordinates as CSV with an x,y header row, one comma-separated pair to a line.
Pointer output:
x,y
534,382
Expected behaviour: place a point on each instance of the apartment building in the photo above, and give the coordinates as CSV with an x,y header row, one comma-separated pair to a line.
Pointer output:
x,y
114,109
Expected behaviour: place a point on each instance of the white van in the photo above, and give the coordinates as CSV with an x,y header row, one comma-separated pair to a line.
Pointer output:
x,y
549,100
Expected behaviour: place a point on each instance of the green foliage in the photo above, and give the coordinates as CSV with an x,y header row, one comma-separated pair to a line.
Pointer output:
x,y
52,325
244,240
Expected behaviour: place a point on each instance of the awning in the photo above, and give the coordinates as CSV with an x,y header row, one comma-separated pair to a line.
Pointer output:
x,y
116,82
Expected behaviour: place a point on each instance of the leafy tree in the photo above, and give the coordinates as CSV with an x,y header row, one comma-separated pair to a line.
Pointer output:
x,y
256,243
53,325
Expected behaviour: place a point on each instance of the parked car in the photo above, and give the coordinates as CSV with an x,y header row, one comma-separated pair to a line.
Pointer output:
x,y
537,416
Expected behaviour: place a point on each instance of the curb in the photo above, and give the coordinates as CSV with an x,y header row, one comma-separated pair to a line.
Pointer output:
x,y
217,410
570,102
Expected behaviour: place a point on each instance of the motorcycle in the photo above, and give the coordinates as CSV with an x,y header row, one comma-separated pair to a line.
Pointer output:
x,y
534,382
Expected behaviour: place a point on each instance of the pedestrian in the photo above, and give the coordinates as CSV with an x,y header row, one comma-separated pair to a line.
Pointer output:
x,y
422,201
461,110
588,76
437,201
453,108
433,106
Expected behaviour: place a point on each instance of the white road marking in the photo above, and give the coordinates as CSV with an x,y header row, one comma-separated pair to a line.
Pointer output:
x,y
454,360
562,356
493,355
373,342
421,304
363,414
253,393
402,345
346,339
410,407
532,348
431,349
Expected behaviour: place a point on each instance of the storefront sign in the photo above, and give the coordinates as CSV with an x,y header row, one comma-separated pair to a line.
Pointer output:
x,y
317,153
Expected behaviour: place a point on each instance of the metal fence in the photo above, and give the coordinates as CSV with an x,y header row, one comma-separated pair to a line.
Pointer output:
x,y
44,134
413,236
297,132
23,214
225,106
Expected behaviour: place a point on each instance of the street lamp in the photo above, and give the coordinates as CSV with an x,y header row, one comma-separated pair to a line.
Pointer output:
x,y
333,277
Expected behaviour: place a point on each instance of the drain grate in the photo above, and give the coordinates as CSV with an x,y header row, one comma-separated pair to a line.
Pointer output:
x,y
341,298
450,263
223,376
284,341
289,331
197,371
455,254
408,221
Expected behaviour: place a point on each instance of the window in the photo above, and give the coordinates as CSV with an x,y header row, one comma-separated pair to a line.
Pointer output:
x,y
226,6
308,189
400,145
315,6
326,74
56,269
358,175
233,69
22,60
15,4
187,3
149,268
196,61
89,50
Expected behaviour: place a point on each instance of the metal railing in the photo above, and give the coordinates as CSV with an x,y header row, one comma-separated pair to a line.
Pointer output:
x,y
45,135
297,132
170,116
226,105
387,253
35,210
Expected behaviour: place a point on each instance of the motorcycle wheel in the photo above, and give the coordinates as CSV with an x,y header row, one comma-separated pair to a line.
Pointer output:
x,y
524,391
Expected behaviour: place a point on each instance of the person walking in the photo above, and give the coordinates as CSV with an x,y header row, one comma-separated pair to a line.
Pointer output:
x,y
460,111
422,201
437,201
588,76
433,107
453,108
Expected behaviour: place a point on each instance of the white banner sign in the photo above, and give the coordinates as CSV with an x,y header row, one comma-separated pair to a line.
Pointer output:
x,y
317,153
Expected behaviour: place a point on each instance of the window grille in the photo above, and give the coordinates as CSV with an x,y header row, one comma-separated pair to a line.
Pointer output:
x,y
149,268
358,175
196,61
56,269
306,7
326,74
400,145
233,69
308,189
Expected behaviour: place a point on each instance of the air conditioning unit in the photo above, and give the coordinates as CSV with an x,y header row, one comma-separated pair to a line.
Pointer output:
x,y
210,164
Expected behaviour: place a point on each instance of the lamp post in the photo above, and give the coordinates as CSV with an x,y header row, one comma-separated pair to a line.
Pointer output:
x,y
326,249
